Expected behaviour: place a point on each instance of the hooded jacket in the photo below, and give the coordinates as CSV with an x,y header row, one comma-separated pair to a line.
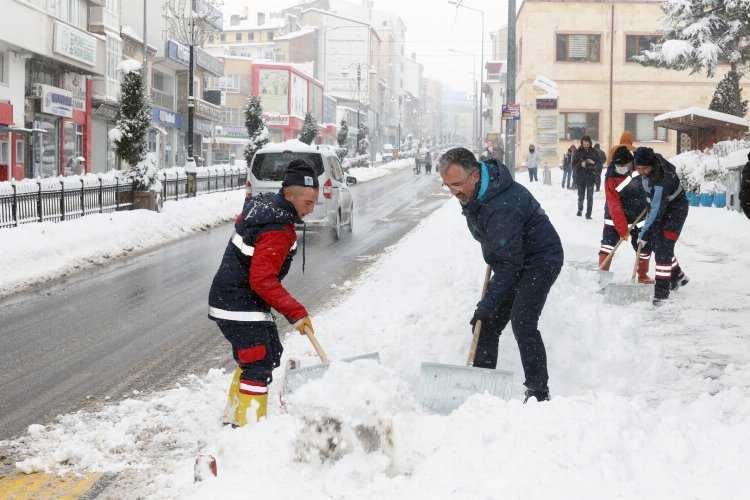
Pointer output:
x,y
257,257
626,199
664,190
587,173
514,232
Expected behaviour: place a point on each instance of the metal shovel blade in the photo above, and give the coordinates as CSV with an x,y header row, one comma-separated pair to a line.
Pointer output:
x,y
443,388
297,377
605,278
627,293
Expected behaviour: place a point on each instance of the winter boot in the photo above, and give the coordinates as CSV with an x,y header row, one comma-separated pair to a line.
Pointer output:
x,y
539,395
678,279
233,397
661,291
602,257
643,277
251,396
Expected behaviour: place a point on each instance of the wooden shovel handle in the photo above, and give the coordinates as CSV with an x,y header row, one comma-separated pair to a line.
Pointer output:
x,y
318,348
630,228
478,324
637,260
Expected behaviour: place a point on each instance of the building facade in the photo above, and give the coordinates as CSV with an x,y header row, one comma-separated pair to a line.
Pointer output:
x,y
46,88
586,49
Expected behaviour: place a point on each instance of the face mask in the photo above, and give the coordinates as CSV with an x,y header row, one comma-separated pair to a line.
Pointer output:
x,y
623,169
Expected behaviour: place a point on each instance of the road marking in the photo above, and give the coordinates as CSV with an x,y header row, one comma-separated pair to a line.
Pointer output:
x,y
45,486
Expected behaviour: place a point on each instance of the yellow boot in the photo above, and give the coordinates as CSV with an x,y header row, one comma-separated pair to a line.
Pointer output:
x,y
233,400
257,402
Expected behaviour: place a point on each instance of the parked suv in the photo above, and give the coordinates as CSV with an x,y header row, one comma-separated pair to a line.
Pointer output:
x,y
334,208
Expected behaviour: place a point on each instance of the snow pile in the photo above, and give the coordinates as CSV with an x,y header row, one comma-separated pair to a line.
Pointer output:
x,y
68,181
129,65
48,250
646,403
364,174
707,171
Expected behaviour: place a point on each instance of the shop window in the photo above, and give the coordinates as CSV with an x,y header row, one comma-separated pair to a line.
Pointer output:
x,y
642,125
4,150
637,44
578,48
572,126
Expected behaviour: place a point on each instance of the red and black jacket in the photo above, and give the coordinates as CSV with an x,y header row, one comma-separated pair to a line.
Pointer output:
x,y
626,199
258,256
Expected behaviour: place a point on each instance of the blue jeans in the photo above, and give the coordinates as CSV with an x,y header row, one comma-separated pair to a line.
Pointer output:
x,y
532,175
567,180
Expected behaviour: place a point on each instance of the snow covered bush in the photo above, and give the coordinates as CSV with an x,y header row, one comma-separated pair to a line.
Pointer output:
x,y
256,128
133,122
707,171
144,174
309,130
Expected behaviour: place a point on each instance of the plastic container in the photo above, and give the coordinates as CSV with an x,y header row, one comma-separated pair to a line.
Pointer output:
x,y
720,200
707,199
693,199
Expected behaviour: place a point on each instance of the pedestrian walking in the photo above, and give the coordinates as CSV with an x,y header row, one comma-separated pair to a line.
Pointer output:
x,y
248,285
532,163
524,252
586,163
625,202
567,180
666,217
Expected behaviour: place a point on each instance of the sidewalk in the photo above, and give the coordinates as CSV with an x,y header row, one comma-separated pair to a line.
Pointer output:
x,y
40,252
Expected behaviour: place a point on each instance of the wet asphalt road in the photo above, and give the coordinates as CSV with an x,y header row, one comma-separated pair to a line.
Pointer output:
x,y
141,324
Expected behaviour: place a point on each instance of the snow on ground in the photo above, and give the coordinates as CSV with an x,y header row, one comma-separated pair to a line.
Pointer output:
x,y
34,253
364,174
647,403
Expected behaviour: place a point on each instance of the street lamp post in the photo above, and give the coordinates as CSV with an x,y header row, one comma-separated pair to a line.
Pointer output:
x,y
459,4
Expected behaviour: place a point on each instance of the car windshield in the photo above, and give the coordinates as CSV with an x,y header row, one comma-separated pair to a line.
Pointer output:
x,y
271,166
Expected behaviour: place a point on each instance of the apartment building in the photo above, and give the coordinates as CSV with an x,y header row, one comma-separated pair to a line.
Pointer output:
x,y
586,48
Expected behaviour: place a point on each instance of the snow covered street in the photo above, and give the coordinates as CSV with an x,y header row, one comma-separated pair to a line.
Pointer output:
x,y
646,403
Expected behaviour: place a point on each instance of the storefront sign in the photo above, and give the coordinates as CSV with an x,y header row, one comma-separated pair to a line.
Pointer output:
x,y
511,112
203,127
546,104
181,54
54,101
166,117
236,131
274,90
75,44
273,119
207,110
76,84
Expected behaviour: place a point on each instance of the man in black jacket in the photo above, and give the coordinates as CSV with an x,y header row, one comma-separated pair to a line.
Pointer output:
x,y
587,163
745,188
524,251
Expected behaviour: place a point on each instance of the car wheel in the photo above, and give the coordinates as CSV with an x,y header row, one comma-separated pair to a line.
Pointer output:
x,y
336,230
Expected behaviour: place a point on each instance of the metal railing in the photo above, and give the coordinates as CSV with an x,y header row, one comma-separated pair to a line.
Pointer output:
x,y
110,195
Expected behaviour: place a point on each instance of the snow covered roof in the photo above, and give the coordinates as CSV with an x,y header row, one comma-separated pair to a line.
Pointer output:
x,y
294,145
306,30
707,114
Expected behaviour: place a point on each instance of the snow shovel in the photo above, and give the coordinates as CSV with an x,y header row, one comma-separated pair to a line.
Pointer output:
x,y
627,293
297,377
606,277
443,388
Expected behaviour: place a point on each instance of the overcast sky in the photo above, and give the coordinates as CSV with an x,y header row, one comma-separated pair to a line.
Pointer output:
x,y
432,28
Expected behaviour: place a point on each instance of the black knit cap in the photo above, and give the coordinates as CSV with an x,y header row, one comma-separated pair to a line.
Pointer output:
x,y
622,156
300,172
645,156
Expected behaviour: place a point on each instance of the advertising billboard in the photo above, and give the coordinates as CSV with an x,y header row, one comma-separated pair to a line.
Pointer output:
x,y
274,91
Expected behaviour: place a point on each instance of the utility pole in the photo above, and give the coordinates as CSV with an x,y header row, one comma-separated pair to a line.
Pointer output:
x,y
144,70
510,90
359,79
481,89
191,98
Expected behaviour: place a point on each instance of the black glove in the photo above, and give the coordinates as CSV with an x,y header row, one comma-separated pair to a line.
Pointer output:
x,y
479,315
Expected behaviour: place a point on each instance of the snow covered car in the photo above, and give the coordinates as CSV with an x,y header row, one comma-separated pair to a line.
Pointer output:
x,y
387,154
335,207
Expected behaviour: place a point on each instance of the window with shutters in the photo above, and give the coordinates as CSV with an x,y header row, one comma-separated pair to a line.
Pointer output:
x,y
642,125
578,47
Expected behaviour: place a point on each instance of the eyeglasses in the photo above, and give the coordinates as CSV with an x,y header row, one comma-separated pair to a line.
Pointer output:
x,y
459,184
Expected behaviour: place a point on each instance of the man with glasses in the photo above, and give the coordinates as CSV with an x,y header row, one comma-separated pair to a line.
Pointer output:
x,y
524,251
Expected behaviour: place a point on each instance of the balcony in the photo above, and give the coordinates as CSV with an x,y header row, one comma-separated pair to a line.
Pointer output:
x,y
162,99
102,19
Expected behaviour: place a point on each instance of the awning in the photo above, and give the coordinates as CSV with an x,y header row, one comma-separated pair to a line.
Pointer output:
x,y
22,130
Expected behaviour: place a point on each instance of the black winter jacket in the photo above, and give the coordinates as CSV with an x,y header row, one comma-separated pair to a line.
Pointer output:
x,y
513,230
587,173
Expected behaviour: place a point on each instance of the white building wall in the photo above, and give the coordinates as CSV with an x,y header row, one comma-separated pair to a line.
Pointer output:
x,y
12,89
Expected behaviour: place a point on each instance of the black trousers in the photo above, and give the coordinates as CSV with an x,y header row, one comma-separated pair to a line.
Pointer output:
x,y
256,348
532,174
586,190
522,307
665,236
